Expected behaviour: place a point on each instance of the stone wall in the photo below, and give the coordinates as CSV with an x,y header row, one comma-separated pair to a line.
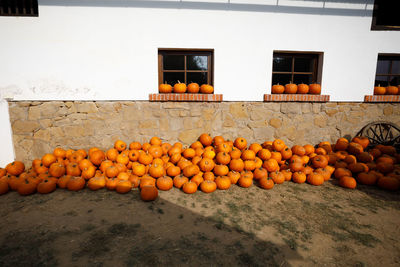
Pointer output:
x,y
39,127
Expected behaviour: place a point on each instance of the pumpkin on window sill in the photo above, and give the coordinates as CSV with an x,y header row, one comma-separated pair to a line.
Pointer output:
x,y
164,88
379,90
392,90
206,89
291,88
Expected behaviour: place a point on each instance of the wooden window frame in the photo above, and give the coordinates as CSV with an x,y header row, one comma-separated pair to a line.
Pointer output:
x,y
21,8
377,27
317,71
391,57
185,52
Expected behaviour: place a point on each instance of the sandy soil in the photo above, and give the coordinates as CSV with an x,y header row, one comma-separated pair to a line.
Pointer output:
x,y
291,225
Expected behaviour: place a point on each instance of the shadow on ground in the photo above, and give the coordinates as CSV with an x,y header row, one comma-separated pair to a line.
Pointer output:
x,y
107,229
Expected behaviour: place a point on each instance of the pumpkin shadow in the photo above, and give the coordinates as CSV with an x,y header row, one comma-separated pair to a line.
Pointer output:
x,y
104,228
378,197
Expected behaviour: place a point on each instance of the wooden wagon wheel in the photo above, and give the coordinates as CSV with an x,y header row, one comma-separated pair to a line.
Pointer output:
x,y
381,132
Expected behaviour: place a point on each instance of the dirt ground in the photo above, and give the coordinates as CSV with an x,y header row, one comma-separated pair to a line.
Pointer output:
x,y
291,225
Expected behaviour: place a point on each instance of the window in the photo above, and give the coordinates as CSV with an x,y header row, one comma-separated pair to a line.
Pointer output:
x,y
388,70
297,67
19,8
185,65
385,16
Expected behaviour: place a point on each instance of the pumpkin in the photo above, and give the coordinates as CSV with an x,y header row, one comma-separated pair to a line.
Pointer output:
x,y
278,145
264,154
96,183
392,90
193,88
147,180
198,179
260,173
88,172
303,88
48,159
315,179
223,158
339,172
76,183
206,89
189,187
389,183
57,169
234,176
164,88
299,177
135,181
205,139
15,168
26,187
240,143
271,165
223,182
4,188
245,181
355,148
47,186
209,176
367,178
62,181
362,140
135,145
76,157
324,172
379,90
179,180
111,183
248,155
125,186
208,186
207,165
290,88
156,170
221,170
315,89
277,176
59,152
145,158
277,89
96,157
173,171
179,88
73,169
298,150
347,182
319,161
236,165
266,183
309,149
384,167
286,153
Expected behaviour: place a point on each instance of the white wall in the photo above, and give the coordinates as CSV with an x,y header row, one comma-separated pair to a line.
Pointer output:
x,y
107,50
7,148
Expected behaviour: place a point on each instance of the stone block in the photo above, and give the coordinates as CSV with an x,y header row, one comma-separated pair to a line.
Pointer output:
x,y
238,110
86,107
320,121
189,136
25,127
275,122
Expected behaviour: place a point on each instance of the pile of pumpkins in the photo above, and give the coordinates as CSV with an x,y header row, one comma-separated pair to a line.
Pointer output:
x,y
388,90
291,88
181,88
207,164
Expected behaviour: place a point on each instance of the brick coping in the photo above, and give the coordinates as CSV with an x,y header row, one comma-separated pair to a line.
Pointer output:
x,y
186,97
381,98
295,98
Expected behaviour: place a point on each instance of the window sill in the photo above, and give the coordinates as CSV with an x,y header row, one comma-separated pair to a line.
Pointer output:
x,y
295,98
381,98
186,97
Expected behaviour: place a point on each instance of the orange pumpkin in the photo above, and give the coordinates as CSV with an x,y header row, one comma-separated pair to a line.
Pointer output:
x,y
223,182
179,88
15,168
208,186
26,187
266,183
315,89
277,89
193,88
76,183
392,90
206,89
164,88
125,186
96,183
189,187
347,182
299,177
290,88
303,88
315,179
379,90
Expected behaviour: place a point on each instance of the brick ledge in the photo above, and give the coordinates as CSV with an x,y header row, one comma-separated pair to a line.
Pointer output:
x,y
296,98
186,97
382,98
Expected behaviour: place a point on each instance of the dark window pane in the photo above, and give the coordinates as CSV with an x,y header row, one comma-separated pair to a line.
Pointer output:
x,y
302,64
174,62
394,80
197,77
381,81
281,78
282,63
395,67
197,62
173,77
383,66
303,78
